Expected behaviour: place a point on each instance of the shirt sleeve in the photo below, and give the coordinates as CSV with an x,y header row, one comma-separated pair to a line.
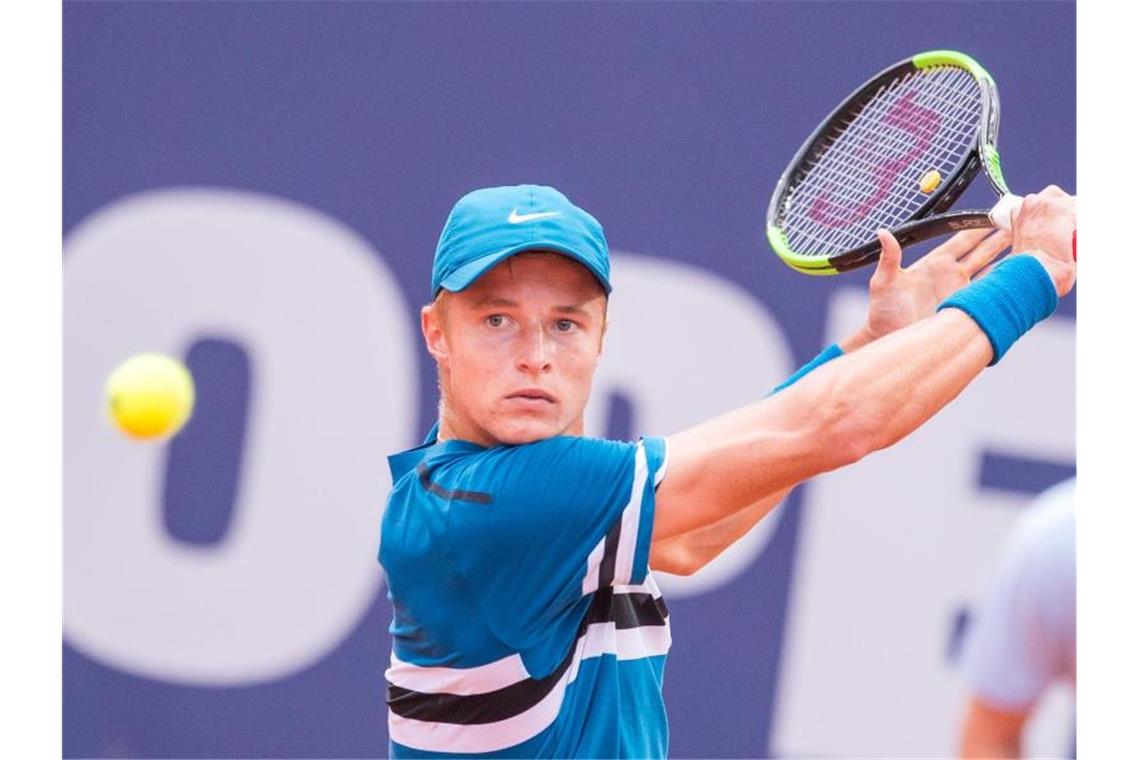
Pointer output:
x,y
565,517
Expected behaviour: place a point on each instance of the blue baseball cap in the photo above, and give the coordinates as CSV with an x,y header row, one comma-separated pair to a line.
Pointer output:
x,y
488,225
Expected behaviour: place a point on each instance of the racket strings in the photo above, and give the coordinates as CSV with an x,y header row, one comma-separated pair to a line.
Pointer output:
x,y
868,152
870,149
858,184
862,184
966,126
843,186
866,175
944,142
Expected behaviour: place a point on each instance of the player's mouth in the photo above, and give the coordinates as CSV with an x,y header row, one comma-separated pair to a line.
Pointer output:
x,y
535,398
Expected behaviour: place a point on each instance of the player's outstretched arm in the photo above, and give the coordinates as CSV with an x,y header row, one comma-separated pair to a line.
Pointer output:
x,y
898,297
864,401
835,416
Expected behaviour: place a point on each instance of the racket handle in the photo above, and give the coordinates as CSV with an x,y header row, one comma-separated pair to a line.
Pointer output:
x,y
1002,212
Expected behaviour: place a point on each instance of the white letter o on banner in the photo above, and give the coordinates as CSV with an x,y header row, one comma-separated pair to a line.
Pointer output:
x,y
334,388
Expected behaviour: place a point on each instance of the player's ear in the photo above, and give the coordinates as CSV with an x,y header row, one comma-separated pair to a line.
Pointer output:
x,y
605,329
431,325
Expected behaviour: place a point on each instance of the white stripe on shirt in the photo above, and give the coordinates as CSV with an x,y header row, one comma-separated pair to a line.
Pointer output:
x,y
660,474
599,639
462,681
630,520
590,582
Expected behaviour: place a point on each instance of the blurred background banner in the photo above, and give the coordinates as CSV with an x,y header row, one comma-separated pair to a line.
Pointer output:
x,y
257,188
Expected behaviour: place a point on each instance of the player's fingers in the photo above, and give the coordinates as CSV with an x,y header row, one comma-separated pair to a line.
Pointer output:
x,y
961,243
985,251
890,259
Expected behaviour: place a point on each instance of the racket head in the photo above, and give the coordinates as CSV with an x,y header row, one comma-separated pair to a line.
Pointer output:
x,y
862,168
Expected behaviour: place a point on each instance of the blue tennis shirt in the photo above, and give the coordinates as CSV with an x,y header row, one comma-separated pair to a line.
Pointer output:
x,y
525,622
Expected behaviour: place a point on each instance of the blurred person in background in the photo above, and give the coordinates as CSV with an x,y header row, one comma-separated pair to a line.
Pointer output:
x,y
1024,639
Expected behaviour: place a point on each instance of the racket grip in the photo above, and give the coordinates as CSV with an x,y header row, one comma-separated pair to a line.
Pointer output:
x,y
1002,212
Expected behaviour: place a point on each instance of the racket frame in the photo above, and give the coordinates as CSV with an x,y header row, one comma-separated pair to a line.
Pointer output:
x,y
930,219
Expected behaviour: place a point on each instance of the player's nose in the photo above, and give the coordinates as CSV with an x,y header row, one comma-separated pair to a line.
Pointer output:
x,y
535,351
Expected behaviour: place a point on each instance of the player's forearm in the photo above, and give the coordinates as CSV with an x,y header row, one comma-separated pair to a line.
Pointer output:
x,y
844,410
897,383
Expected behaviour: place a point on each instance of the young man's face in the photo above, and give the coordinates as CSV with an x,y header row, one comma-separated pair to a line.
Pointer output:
x,y
517,350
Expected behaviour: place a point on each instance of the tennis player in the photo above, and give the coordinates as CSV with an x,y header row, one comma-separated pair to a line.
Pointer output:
x,y
526,622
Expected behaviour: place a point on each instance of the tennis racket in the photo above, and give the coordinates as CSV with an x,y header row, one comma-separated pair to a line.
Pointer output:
x,y
895,154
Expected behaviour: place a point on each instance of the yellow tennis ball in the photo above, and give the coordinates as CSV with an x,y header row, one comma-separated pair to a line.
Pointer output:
x,y
150,396
930,181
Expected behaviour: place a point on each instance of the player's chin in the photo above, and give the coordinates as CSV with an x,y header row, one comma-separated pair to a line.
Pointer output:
x,y
519,429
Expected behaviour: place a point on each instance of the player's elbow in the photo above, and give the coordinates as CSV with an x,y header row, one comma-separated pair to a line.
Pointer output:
x,y
674,557
684,569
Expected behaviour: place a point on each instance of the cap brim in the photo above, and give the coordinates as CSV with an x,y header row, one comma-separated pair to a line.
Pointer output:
x,y
462,277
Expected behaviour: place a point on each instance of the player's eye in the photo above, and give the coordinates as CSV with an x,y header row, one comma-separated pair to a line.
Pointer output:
x,y
565,325
496,320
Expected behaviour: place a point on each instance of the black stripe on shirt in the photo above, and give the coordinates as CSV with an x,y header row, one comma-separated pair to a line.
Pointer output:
x,y
425,480
472,709
626,611
609,556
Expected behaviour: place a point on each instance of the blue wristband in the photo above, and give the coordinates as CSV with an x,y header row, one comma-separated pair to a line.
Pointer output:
x,y
1016,295
824,357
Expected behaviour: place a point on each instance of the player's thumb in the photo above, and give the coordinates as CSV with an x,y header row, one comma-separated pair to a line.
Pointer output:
x,y
890,259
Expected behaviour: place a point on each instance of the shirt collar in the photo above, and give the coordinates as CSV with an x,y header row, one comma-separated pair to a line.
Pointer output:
x,y
404,462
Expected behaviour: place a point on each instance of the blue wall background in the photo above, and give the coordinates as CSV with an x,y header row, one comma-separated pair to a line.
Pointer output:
x,y
670,122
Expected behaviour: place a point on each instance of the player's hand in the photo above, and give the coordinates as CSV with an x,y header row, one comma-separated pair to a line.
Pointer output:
x,y
1044,227
901,297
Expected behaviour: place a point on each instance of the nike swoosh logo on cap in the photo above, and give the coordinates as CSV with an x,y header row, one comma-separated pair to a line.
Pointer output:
x,y
517,218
